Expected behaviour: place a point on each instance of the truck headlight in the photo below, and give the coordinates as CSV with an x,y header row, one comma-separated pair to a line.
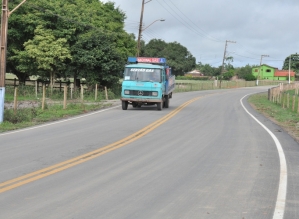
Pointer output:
x,y
155,93
127,92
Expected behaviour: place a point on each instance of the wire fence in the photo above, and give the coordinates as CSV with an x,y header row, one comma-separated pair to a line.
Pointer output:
x,y
189,85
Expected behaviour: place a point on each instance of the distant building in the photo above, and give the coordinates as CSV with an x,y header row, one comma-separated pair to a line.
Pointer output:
x,y
266,72
194,73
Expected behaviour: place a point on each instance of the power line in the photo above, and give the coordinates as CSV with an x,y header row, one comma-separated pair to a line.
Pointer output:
x,y
207,35
182,21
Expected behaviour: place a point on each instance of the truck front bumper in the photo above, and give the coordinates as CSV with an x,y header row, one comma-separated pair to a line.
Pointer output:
x,y
142,100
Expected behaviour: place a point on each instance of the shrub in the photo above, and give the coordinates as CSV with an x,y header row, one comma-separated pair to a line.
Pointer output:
x,y
21,115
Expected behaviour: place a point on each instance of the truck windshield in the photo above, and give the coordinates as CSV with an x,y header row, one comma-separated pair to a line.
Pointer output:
x,y
142,74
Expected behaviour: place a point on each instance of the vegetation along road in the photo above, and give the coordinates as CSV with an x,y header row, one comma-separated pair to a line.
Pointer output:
x,y
209,155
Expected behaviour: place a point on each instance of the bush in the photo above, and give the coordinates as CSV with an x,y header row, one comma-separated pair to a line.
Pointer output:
x,y
249,77
228,75
21,115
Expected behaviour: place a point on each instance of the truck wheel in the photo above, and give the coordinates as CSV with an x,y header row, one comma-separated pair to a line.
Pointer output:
x,y
159,106
166,102
124,105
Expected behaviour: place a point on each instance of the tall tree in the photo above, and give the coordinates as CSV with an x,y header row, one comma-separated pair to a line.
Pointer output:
x,y
47,52
207,70
68,19
97,58
294,60
178,57
245,73
155,48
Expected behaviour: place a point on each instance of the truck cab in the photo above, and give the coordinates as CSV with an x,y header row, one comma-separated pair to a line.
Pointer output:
x,y
147,81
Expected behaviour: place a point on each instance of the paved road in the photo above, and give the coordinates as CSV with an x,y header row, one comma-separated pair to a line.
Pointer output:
x,y
208,158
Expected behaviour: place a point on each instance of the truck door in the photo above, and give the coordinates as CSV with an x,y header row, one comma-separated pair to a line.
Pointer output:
x,y
163,80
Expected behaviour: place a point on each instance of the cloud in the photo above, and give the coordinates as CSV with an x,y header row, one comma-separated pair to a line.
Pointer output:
x,y
258,26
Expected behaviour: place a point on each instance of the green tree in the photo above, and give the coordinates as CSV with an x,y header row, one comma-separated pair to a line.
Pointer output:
x,y
294,62
217,71
245,73
48,52
178,57
97,58
207,70
68,19
198,65
155,48
228,75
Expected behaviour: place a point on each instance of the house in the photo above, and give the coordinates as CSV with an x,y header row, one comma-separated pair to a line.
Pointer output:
x,y
283,75
194,73
266,72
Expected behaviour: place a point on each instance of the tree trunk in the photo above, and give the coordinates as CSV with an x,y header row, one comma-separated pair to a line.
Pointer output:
x,y
52,79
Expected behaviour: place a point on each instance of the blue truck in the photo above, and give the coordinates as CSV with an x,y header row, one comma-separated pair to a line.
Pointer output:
x,y
147,81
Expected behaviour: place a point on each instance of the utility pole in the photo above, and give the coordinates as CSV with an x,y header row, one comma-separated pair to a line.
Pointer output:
x,y
3,49
290,69
258,75
140,29
224,56
3,45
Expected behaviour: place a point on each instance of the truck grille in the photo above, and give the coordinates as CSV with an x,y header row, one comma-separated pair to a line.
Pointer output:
x,y
140,93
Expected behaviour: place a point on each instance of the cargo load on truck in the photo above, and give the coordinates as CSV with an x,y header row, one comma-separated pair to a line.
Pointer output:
x,y
147,81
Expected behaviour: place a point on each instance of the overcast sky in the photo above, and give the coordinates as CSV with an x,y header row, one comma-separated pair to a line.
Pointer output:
x,y
259,27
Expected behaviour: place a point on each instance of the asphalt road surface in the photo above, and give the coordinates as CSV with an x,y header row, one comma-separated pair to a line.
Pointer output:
x,y
209,155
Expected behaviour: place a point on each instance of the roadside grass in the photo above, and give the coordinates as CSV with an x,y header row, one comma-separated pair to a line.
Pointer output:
x,y
29,112
285,118
27,117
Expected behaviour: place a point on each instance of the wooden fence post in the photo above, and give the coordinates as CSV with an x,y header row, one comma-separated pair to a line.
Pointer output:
x,y
96,93
44,97
15,100
82,93
36,88
65,97
106,93
72,87
288,100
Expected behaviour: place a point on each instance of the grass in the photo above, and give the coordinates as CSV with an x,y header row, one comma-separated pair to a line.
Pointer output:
x,y
34,116
286,118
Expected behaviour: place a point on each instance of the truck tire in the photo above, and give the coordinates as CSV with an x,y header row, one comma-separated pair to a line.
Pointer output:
x,y
166,102
159,106
124,105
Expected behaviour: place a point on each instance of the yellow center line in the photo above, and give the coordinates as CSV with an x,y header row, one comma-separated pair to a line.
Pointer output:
x,y
22,180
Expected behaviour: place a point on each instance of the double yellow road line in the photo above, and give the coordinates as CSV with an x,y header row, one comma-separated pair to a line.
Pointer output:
x,y
22,180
